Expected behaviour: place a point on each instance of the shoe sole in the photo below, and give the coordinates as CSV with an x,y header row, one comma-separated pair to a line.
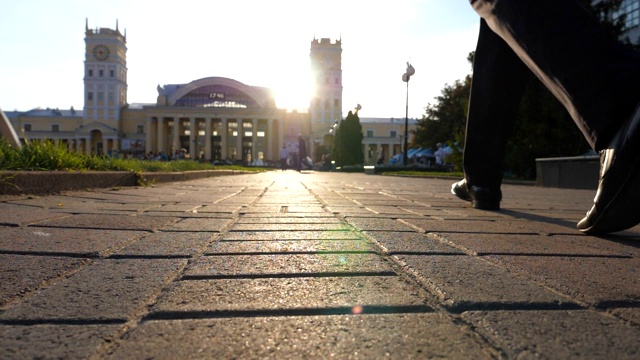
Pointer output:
x,y
616,216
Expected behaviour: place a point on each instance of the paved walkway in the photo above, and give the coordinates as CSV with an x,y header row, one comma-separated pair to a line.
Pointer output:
x,y
312,265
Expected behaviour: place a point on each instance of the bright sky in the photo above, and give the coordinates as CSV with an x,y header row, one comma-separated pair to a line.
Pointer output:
x,y
256,42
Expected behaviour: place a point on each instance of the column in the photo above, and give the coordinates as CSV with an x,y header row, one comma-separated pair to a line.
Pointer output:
x,y
161,134
280,133
207,139
254,139
176,134
239,139
77,144
223,138
87,146
269,135
192,138
148,145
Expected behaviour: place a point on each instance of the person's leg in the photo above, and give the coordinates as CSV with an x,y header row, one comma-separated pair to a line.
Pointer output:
x,y
595,77
592,74
498,83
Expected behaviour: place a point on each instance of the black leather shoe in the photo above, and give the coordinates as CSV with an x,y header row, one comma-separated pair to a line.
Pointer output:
x,y
481,198
616,206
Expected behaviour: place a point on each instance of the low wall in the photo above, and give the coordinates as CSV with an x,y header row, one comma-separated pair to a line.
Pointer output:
x,y
578,172
53,182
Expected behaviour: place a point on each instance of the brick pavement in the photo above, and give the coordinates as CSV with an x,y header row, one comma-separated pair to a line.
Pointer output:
x,y
319,265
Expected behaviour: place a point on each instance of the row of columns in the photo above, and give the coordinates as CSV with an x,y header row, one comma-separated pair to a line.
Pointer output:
x,y
155,135
86,145
373,151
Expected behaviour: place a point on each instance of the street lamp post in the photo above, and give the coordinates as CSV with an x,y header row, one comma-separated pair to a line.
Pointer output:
x,y
405,77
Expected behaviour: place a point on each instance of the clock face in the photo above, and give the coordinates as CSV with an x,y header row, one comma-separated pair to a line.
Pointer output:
x,y
101,52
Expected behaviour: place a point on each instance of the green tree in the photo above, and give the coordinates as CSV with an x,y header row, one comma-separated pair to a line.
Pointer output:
x,y
347,143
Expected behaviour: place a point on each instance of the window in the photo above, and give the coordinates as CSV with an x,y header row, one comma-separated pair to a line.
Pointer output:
x,y
260,134
111,97
55,127
26,127
369,133
111,73
90,72
100,96
101,73
90,96
140,129
393,133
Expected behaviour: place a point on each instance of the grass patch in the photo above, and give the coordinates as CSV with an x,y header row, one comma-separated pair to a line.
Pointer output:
x,y
44,155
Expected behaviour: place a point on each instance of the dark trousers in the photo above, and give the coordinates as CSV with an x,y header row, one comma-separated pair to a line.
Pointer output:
x,y
592,74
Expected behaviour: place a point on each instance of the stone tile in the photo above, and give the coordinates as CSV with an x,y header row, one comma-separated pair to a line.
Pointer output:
x,y
251,265
42,241
630,314
112,222
105,290
128,207
379,224
54,341
291,227
200,224
21,274
594,280
292,235
467,226
289,220
466,282
487,244
288,246
226,209
187,214
19,215
409,242
557,334
168,244
344,337
292,293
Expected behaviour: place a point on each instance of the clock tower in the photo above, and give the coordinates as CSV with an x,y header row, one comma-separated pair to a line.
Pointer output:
x,y
105,75
326,97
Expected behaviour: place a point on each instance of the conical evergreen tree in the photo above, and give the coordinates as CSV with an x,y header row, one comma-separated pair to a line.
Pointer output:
x,y
347,144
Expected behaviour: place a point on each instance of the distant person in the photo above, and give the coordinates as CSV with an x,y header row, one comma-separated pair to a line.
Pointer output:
x,y
284,157
302,152
591,73
439,154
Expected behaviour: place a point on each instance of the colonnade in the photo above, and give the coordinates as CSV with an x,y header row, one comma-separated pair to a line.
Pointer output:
x,y
215,138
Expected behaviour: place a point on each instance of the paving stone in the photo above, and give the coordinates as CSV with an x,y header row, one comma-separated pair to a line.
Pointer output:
x,y
291,293
168,244
20,274
285,214
557,334
54,341
488,244
378,224
105,290
595,280
226,209
187,214
291,235
345,337
200,224
409,242
128,207
42,241
291,227
288,246
289,220
465,282
113,222
631,314
16,215
468,226
247,265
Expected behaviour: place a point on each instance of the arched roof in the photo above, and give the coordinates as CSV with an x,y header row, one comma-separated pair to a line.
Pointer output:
x,y
219,92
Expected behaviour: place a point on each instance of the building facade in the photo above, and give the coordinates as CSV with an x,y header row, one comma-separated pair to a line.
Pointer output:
x,y
213,118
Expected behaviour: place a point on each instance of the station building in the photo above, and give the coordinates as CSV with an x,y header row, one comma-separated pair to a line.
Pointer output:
x,y
213,118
